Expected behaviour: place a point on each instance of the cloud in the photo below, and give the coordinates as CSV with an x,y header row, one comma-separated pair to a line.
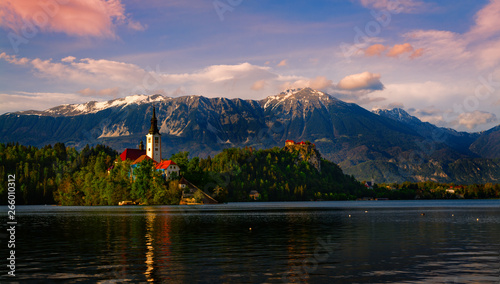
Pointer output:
x,y
258,85
95,18
473,119
90,74
361,81
282,63
440,45
394,105
13,59
395,51
318,83
358,88
109,92
435,92
432,115
399,6
486,22
375,49
20,101
88,71
68,59
419,52
92,78
399,49
480,44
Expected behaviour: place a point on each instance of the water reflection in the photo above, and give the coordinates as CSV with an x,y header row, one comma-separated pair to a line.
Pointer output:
x,y
258,244
150,219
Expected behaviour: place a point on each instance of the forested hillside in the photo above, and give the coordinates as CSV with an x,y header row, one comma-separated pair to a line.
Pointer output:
x,y
95,176
92,177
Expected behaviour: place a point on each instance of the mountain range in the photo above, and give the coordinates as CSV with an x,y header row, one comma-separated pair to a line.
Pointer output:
x,y
386,145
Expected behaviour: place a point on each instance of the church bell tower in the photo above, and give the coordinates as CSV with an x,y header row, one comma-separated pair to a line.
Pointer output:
x,y
153,138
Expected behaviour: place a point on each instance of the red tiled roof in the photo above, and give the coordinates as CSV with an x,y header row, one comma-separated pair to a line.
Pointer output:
x,y
165,164
142,158
132,154
301,143
289,141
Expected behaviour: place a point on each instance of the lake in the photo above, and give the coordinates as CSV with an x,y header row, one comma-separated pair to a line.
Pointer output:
x,y
424,241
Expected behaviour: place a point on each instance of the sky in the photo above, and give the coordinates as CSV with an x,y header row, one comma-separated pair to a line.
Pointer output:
x,y
438,60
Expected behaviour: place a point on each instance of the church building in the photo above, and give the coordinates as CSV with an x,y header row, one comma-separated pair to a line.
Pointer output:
x,y
152,152
153,138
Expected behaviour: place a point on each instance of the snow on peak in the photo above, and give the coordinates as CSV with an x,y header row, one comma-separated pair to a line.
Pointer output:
x,y
93,107
397,114
305,95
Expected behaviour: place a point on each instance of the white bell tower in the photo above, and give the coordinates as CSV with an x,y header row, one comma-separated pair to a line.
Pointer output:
x,y
153,138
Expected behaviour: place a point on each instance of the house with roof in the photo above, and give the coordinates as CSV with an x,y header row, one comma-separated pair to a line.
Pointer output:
x,y
169,169
132,154
192,195
302,143
254,194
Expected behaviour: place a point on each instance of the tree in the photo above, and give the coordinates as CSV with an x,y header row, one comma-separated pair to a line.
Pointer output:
x,y
143,174
181,159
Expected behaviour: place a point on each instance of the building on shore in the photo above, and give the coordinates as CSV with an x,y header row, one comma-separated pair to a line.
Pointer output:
x,y
254,194
192,195
152,151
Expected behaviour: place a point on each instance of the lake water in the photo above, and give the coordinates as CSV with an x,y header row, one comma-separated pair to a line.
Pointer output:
x,y
453,241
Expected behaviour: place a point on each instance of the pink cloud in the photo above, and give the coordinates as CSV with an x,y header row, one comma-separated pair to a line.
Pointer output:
x,y
395,51
440,45
399,49
361,81
282,63
97,18
318,83
109,92
258,85
486,21
13,59
375,49
400,6
419,52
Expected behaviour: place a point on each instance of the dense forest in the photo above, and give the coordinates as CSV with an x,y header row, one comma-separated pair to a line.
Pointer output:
x,y
62,175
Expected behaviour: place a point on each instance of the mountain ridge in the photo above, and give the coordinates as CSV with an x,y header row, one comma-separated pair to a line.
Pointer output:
x,y
345,133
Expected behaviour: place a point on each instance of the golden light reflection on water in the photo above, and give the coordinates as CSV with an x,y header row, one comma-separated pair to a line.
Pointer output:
x,y
158,243
150,219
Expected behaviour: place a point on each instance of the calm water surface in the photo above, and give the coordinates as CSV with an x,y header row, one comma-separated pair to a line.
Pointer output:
x,y
302,242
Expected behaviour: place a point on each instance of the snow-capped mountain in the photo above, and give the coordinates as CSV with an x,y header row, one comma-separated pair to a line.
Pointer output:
x,y
398,114
459,141
359,140
94,106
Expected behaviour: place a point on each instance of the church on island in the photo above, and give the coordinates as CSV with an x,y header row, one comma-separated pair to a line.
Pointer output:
x,y
152,152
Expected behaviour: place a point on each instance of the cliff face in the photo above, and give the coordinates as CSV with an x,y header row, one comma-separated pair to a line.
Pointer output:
x,y
307,152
